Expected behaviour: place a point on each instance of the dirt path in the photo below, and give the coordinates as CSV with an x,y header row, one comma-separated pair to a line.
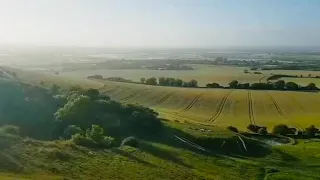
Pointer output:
x,y
221,107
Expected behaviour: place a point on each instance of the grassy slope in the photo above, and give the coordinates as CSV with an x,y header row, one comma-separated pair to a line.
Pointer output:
x,y
160,158
32,159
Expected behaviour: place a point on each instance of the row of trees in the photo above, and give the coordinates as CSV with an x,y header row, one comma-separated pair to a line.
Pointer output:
x,y
169,81
278,85
282,129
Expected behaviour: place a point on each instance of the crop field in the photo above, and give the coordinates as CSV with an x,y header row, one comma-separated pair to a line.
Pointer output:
x,y
202,73
221,107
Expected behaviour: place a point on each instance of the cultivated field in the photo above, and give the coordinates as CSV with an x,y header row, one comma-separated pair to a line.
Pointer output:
x,y
222,107
202,73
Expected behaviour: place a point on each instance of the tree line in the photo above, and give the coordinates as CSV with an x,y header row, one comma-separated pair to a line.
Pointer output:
x,y
169,81
282,129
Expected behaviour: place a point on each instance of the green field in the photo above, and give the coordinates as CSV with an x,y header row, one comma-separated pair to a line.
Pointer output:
x,y
202,73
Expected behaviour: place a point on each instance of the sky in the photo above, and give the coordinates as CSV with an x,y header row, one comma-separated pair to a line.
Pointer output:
x,y
160,23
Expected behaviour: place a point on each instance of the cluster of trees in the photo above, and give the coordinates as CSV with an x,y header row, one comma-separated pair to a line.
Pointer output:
x,y
86,116
309,132
278,85
284,130
168,81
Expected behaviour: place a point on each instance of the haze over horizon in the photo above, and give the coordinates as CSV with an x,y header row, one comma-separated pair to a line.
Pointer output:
x,y
160,23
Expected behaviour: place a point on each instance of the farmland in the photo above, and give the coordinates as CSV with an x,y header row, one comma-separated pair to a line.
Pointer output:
x,y
202,73
190,110
221,107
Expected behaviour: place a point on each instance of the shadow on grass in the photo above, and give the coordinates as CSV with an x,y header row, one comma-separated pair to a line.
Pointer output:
x,y
130,156
162,153
215,146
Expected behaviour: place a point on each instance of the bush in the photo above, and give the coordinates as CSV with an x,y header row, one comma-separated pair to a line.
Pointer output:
x,y
311,131
281,129
233,84
253,128
95,133
83,141
72,130
130,141
263,131
93,138
213,85
234,129
151,81
107,142
10,129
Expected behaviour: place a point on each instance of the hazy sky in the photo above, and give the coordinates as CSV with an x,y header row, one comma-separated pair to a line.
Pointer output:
x,y
160,23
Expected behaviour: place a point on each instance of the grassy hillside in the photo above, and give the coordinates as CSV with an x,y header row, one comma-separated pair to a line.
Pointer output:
x,y
163,157
191,147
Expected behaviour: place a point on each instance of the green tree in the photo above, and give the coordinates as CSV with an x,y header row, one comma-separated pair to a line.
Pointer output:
x,y
151,81
312,86
179,82
233,84
311,131
162,81
193,83
96,133
142,80
281,129
279,84
71,130
292,86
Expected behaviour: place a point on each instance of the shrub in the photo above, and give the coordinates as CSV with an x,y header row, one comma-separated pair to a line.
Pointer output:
x,y
253,128
213,85
130,141
311,131
262,130
72,130
106,142
95,133
281,129
234,129
151,81
233,84
83,141
10,129
143,80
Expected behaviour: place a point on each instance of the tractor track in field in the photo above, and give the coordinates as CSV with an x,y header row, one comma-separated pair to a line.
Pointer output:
x,y
133,96
251,114
163,99
298,104
281,112
113,90
221,106
193,102
276,105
